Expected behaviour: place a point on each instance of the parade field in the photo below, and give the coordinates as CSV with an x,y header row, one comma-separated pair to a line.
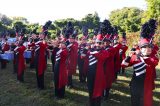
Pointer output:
x,y
13,93
99,53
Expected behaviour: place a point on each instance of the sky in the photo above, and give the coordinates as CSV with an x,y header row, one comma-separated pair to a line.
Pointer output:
x,y
40,11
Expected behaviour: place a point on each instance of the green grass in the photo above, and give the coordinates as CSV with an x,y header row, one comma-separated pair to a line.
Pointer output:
x,y
27,94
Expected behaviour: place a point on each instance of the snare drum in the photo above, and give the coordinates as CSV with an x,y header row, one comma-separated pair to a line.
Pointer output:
x,y
27,54
7,56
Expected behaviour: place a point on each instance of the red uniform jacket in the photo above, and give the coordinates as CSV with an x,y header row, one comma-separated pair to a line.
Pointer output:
x,y
42,58
155,50
100,82
21,60
124,49
63,75
72,59
149,77
109,67
155,54
6,47
117,61
86,63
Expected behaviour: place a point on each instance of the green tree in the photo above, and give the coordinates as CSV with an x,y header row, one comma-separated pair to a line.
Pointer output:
x,y
31,27
63,22
20,25
2,28
91,20
5,20
128,19
153,8
153,11
21,19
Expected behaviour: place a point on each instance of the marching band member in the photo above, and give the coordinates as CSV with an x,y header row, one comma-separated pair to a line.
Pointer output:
x,y
117,47
123,50
60,70
72,47
153,27
40,61
95,76
109,65
41,55
72,59
144,63
55,48
20,61
54,51
31,46
85,58
81,48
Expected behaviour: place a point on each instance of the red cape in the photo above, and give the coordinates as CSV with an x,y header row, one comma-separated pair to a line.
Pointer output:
x,y
42,58
117,61
21,60
72,59
149,81
100,82
63,74
6,47
109,68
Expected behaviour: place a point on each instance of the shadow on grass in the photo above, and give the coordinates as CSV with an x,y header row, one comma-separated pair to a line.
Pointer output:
x,y
117,100
77,99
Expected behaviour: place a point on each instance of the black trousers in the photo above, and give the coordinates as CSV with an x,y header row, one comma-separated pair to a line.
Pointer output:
x,y
90,83
95,101
15,67
40,81
106,93
28,60
15,63
53,61
20,77
70,83
116,75
137,91
32,63
60,92
3,63
122,70
82,77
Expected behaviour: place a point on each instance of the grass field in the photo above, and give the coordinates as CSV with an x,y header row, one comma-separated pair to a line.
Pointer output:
x,y
27,94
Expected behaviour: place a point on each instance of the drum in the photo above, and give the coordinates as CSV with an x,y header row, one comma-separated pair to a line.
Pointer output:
x,y
11,40
7,56
27,54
